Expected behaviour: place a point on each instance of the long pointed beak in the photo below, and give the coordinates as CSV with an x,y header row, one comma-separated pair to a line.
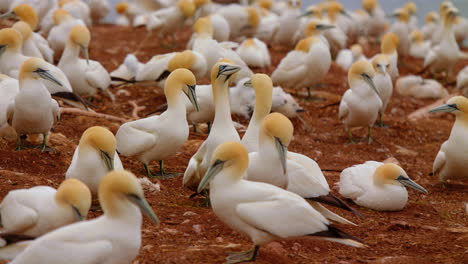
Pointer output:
x,y
108,160
283,151
371,83
212,171
228,70
248,84
45,74
8,15
410,183
383,69
305,14
144,207
2,49
444,108
85,52
78,215
325,26
192,96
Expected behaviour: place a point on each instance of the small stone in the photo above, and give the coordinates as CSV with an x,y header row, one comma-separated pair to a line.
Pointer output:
x,y
219,240
189,213
317,249
171,231
148,247
276,248
432,228
198,229
186,221
296,246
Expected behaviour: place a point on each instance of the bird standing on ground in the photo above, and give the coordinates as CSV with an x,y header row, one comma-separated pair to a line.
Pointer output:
x,y
383,82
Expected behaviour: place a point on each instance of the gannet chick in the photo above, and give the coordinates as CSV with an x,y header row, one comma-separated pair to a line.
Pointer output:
x,y
41,209
86,76
33,110
27,14
417,87
261,211
346,57
243,21
383,82
432,22
272,163
99,10
9,88
377,186
388,46
462,81
60,32
94,157
451,160
114,237
255,53
160,137
361,103
376,25
419,48
263,87
285,103
222,129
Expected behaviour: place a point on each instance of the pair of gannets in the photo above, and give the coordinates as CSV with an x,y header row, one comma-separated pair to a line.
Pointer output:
x,y
360,104
416,86
94,157
451,160
222,129
86,76
159,137
261,211
383,82
41,209
60,32
254,53
419,47
377,186
113,238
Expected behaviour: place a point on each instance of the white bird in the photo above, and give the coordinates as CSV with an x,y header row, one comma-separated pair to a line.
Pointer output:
x,y
9,88
205,8
27,14
254,53
243,21
112,238
58,35
346,57
432,22
419,48
451,160
94,157
388,46
360,104
313,12
285,103
402,30
125,16
41,7
288,24
86,76
221,30
222,129
127,71
272,163
29,48
383,82
263,87
77,9
417,87
376,25
33,110
160,137
336,36
171,19
99,10
41,209
436,36
269,23
206,110
412,11
377,186
460,28
261,211
462,81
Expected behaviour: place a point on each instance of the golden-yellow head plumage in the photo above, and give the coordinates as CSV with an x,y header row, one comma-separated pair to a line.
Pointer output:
x,y
122,7
99,138
369,5
27,14
359,68
417,36
117,185
411,8
178,81
278,126
381,63
217,67
184,59
356,50
460,102
267,4
432,17
203,26
11,38
388,173
80,35
24,29
304,45
30,66
253,17
233,155
187,7
248,42
76,194
401,14
444,6
450,16
200,3
60,15
389,43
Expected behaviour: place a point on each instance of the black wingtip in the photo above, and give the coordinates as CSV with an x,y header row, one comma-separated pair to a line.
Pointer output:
x,y
15,238
163,75
72,97
332,200
118,79
334,232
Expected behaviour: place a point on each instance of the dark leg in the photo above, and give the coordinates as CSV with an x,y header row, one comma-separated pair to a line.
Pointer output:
x,y
250,255
19,145
209,127
148,171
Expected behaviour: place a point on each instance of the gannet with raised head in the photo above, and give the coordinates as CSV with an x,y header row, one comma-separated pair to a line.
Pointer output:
x,y
94,157
452,159
360,104
41,209
113,238
160,137
377,186
383,82
261,211
222,129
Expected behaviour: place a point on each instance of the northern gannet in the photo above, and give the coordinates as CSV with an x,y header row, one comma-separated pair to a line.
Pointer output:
x,y
376,25
222,129
412,11
160,137
261,211
99,10
221,30
346,57
243,21
9,88
86,76
383,82
288,24
29,48
94,157
416,86
336,36
377,186
263,87
360,104
311,13
388,46
269,23
127,71
419,48
436,36
451,160
432,22
402,30
77,9
125,16
254,53
113,238
462,81
285,103
41,209
33,110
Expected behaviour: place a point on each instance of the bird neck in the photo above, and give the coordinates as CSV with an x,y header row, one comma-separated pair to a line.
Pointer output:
x,y
221,100
267,148
448,34
263,101
71,51
461,123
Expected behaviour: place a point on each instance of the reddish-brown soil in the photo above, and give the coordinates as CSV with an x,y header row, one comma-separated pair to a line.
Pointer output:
x,y
431,229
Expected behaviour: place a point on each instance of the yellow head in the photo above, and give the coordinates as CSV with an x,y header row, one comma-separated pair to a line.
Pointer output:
x,y
200,3
27,14
75,194
356,50
23,28
35,68
122,7
389,43
304,44
203,26
451,16
411,8
432,17
313,11
180,80
253,17
417,36
457,105
316,27
369,5
187,7
60,15
80,35
184,59
248,42
381,63
444,6
278,126
390,173
263,87
401,14
362,70
267,4
335,8
224,71
118,188
100,139
10,39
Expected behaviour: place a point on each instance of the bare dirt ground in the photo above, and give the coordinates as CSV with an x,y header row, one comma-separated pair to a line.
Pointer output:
x,y
431,229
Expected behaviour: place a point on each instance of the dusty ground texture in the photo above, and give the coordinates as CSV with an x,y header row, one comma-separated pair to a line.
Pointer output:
x,y
431,229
